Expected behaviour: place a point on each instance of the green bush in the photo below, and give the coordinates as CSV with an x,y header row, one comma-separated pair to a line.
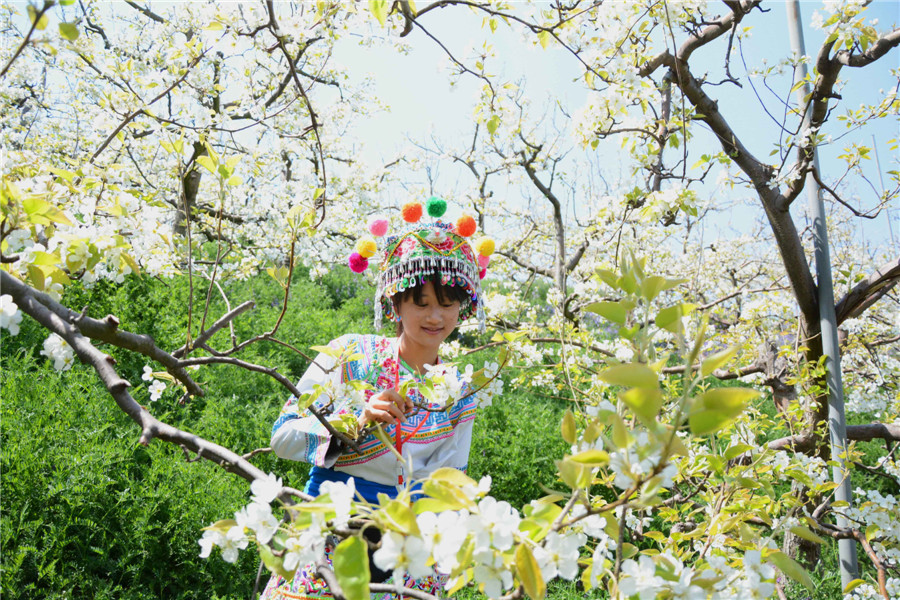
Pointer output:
x,y
88,513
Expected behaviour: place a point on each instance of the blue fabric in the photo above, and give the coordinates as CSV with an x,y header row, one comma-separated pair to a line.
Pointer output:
x,y
367,489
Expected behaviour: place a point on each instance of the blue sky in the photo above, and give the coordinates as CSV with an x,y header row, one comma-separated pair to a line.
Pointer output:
x,y
415,85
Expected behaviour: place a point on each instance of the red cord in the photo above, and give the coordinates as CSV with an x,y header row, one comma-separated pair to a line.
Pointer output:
x,y
398,438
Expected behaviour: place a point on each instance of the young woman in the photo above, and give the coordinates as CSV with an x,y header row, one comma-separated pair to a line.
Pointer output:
x,y
429,280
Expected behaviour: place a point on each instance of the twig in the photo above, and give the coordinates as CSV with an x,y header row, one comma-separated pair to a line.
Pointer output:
x,y
48,4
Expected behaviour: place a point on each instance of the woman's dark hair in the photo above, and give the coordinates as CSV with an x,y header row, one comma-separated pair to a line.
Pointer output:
x,y
444,293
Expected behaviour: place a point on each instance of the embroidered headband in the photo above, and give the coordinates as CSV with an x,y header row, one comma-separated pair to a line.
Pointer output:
x,y
420,250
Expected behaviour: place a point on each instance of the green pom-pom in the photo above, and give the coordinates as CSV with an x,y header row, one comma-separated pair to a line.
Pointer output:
x,y
436,207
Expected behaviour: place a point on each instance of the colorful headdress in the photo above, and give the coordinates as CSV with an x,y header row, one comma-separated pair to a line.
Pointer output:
x,y
420,250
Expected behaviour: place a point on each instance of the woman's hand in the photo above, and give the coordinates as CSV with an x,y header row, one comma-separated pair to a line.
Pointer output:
x,y
386,406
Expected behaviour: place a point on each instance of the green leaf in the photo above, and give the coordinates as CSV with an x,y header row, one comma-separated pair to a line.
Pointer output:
x,y
737,450
208,163
66,2
609,278
326,350
652,286
617,312
871,531
492,124
729,401
529,573
631,375
68,31
792,569
711,363
351,567
567,427
749,483
704,422
620,437
41,212
594,458
379,9
807,534
451,475
39,24
574,474
64,174
669,318
273,562
644,402
544,39
442,496
45,258
400,517
853,585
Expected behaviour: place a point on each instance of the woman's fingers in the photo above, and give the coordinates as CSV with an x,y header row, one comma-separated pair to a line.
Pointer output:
x,y
403,402
386,407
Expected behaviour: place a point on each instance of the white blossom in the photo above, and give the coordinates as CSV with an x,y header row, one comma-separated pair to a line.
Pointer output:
x,y
559,555
265,489
639,577
402,554
10,315
341,495
60,352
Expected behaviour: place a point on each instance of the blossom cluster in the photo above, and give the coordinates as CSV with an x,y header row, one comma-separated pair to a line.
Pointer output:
x,y
879,512
59,351
10,315
446,384
868,591
157,387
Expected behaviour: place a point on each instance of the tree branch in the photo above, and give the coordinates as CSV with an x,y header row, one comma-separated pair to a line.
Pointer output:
x,y
858,433
868,291
48,4
875,51
105,330
59,320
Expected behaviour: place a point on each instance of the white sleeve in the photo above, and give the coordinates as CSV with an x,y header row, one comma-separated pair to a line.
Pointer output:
x,y
301,436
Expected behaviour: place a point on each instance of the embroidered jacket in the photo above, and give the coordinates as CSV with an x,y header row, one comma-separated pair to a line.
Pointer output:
x,y
442,441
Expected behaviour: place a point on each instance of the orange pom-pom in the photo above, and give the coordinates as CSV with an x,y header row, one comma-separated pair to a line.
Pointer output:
x,y
466,226
411,212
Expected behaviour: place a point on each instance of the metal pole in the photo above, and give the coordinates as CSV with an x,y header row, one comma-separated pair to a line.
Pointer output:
x,y
827,322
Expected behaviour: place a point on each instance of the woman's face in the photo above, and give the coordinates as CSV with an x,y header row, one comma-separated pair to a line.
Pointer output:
x,y
428,322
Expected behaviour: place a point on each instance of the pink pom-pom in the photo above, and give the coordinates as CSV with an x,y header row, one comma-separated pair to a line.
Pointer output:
x,y
378,227
482,273
357,263
483,261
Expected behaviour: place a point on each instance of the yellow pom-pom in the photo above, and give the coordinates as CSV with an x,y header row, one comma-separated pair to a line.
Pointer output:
x,y
484,246
366,247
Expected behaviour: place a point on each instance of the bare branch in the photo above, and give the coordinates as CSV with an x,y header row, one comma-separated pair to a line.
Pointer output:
x,y
525,264
48,4
215,327
53,317
105,330
859,433
145,11
868,291
875,51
